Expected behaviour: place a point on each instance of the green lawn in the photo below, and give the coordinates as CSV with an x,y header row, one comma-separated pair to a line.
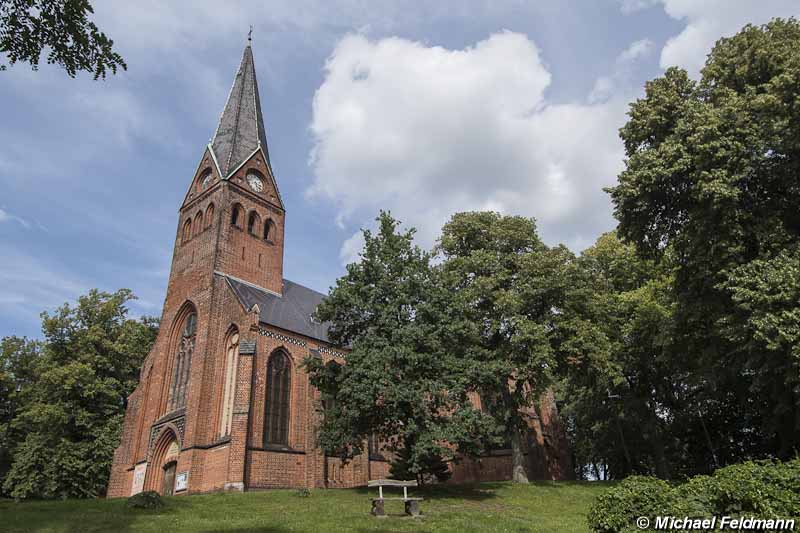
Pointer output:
x,y
539,507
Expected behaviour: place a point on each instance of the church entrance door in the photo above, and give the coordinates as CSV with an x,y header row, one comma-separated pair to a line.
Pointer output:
x,y
169,478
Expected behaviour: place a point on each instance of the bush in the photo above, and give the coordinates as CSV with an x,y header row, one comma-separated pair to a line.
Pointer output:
x,y
145,500
762,489
617,509
303,493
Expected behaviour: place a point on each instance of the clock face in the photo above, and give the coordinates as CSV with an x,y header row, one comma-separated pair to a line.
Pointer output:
x,y
207,180
255,182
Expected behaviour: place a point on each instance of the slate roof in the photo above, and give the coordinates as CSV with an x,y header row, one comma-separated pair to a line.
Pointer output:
x,y
292,311
241,126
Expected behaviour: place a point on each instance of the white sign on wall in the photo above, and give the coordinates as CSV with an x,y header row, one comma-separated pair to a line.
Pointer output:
x,y
181,481
138,478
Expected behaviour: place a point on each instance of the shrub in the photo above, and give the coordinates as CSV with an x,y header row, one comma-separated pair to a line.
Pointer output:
x,y
762,489
303,493
616,510
145,500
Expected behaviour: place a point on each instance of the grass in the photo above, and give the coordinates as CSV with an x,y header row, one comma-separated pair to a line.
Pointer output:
x,y
537,507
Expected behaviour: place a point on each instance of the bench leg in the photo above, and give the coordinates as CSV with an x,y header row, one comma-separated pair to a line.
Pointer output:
x,y
412,507
377,508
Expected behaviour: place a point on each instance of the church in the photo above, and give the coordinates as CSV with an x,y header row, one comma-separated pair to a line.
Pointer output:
x,y
223,401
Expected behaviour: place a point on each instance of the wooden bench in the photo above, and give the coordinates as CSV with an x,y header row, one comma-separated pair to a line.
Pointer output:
x,y
411,504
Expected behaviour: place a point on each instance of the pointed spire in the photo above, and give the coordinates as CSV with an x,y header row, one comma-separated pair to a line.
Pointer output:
x,y
241,125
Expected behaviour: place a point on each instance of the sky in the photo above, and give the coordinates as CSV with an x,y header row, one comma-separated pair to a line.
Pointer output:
x,y
421,108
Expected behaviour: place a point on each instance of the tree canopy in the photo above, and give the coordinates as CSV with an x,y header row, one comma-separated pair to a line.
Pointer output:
x,y
74,385
400,386
61,28
712,179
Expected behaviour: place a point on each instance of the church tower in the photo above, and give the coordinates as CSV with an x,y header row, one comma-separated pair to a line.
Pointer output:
x,y
234,194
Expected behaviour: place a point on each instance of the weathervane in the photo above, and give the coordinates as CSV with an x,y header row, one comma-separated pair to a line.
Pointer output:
x,y
250,34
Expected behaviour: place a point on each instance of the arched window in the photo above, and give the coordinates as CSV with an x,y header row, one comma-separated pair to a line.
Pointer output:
x,y
229,386
237,215
198,222
209,215
182,362
252,223
276,415
187,230
269,230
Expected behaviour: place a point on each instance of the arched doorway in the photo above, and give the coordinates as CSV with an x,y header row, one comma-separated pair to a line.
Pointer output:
x,y
163,464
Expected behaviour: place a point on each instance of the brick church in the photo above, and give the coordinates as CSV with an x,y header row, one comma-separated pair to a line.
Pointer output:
x,y
223,402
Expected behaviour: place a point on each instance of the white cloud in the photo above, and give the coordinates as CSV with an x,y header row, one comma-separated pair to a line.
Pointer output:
x,y
632,6
606,87
425,132
5,216
709,20
351,248
636,50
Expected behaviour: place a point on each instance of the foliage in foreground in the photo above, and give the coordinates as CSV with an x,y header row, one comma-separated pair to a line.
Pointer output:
x,y
63,28
763,489
71,396
711,183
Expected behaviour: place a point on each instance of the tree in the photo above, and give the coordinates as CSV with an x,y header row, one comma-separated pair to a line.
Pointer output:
x,y
421,469
75,43
711,177
506,290
71,420
617,364
18,359
400,385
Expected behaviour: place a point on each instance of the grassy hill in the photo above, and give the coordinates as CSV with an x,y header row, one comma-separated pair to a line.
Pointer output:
x,y
538,507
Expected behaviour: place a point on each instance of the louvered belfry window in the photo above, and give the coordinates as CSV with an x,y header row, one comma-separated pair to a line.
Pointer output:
x,y
183,362
276,417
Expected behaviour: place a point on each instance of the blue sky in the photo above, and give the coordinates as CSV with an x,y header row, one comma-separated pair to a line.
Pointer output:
x,y
422,108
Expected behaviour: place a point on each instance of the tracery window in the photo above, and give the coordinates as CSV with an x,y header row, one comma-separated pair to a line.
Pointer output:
x,y
276,415
229,387
182,363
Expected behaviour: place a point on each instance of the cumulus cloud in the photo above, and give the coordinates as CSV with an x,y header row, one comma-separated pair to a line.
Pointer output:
x,y
709,20
425,132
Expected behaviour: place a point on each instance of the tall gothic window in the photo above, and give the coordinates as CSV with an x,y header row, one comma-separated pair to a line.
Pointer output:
x,y
252,223
187,230
182,363
269,225
209,215
276,416
198,222
237,215
229,387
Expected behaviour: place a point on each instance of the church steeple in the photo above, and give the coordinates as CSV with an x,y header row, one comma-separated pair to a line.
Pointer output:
x,y
241,126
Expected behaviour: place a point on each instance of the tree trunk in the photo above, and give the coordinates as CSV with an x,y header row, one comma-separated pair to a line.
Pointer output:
x,y
518,473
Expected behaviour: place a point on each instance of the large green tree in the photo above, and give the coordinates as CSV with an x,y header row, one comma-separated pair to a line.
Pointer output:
x,y
18,359
63,28
72,415
712,177
506,291
401,385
